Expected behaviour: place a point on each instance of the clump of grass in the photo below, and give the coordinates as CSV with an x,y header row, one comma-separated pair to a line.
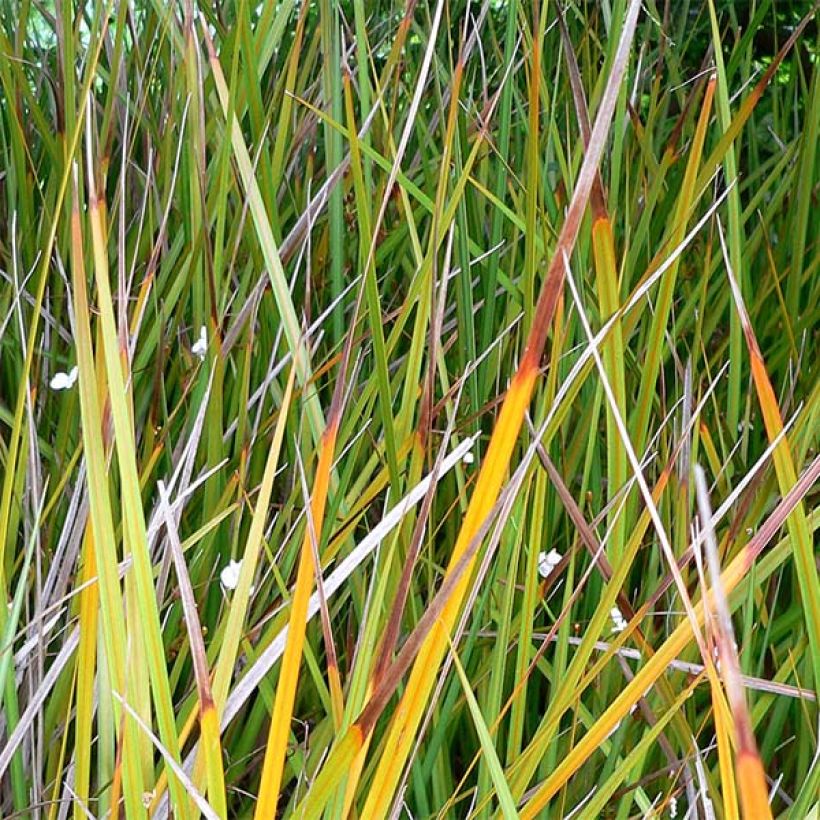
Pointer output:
x,y
409,409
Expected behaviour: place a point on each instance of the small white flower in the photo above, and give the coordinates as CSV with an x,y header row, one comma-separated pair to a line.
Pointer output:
x,y
619,623
548,561
673,806
64,381
229,577
200,346
468,457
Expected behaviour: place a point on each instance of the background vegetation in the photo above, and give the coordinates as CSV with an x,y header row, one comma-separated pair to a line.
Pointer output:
x,y
385,479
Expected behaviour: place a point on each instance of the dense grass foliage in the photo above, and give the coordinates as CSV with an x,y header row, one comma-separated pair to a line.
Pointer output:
x,y
409,408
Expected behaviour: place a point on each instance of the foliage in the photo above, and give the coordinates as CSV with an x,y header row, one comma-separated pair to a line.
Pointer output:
x,y
402,334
